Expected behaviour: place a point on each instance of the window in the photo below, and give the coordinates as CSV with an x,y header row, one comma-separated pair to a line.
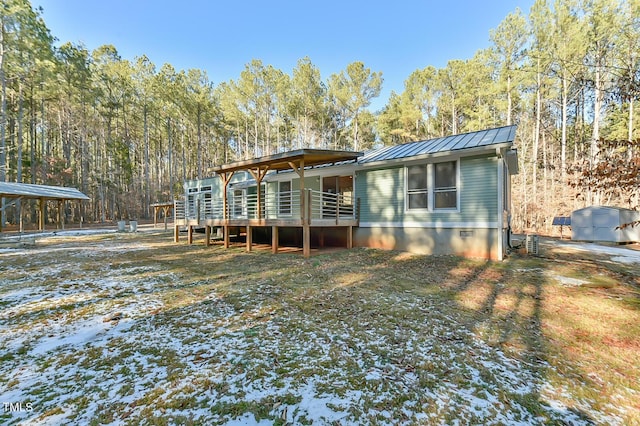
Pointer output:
x,y
284,197
417,188
444,188
239,204
432,186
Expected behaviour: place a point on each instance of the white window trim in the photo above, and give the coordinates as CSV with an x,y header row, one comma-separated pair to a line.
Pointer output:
x,y
431,188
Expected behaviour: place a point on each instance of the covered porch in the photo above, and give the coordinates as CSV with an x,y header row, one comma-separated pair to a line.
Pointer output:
x,y
300,207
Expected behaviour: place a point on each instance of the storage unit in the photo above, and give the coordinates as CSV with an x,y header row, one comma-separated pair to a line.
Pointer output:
x,y
601,223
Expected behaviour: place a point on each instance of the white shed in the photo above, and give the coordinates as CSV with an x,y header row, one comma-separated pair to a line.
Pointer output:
x,y
599,223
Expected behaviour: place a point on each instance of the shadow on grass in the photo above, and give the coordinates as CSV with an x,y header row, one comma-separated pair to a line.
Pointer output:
x,y
394,327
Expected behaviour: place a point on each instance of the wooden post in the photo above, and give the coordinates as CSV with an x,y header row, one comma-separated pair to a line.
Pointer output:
x,y
306,240
259,174
190,234
166,213
306,219
61,214
207,235
226,236
41,218
176,234
249,238
274,239
299,169
350,237
21,219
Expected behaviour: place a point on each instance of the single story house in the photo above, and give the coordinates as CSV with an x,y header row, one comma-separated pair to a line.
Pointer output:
x,y
448,195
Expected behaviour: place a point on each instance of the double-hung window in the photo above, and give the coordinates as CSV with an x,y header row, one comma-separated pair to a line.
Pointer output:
x,y
432,186
445,193
417,188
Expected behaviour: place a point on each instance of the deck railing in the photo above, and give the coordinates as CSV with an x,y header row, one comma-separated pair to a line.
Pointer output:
x,y
282,205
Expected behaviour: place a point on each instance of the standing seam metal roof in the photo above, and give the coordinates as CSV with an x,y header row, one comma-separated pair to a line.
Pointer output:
x,y
27,190
499,135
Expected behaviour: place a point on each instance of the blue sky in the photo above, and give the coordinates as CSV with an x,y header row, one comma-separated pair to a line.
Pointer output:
x,y
395,36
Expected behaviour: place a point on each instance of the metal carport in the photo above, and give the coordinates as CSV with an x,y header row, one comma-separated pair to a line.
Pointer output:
x,y
42,193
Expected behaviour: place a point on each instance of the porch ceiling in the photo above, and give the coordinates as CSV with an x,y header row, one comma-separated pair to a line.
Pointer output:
x,y
283,161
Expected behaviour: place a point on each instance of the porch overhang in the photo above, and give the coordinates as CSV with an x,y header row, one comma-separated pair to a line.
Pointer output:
x,y
288,160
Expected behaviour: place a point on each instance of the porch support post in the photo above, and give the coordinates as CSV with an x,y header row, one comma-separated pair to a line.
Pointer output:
x,y
350,237
226,236
274,239
207,235
306,227
259,174
226,177
176,234
190,234
249,238
166,213
306,240
299,169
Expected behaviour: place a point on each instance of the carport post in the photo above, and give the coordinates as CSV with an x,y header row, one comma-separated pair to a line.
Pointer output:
x,y
61,214
41,218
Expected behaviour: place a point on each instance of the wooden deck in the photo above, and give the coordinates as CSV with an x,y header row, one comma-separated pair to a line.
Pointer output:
x,y
304,208
312,210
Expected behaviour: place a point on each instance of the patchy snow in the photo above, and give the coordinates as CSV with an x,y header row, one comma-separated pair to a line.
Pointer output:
x,y
207,359
618,254
566,280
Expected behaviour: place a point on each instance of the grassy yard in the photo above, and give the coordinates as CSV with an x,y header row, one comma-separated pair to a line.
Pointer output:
x,y
132,328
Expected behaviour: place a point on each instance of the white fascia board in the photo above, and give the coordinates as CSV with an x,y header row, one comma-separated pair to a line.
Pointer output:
x,y
431,225
339,170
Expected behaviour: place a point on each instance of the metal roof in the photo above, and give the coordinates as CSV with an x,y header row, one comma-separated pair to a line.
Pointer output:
x,y
27,190
282,161
483,138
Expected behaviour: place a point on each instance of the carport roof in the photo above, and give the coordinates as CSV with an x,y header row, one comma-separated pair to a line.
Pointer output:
x,y
27,190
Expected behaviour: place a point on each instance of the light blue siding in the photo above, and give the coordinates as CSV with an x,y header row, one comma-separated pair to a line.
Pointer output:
x,y
382,195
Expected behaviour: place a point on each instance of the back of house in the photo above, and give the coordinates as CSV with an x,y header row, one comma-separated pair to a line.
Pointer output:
x,y
449,195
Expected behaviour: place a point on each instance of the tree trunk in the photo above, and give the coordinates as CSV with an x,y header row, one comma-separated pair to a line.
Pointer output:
x,y
20,132
3,121
536,136
199,153
509,100
170,158
563,138
147,178
630,127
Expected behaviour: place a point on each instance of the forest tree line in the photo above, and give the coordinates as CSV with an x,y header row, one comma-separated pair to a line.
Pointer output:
x,y
128,133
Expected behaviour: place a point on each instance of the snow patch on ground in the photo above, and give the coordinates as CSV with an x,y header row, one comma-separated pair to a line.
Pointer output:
x,y
618,254
208,357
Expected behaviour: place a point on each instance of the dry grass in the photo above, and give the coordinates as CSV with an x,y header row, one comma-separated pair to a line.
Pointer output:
x,y
123,328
